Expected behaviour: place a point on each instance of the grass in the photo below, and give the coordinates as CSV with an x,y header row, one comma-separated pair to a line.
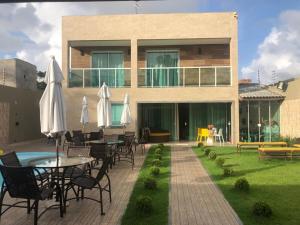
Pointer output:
x,y
275,181
160,196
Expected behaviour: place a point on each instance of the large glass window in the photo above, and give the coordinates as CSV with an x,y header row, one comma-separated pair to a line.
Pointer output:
x,y
108,68
260,120
116,109
159,73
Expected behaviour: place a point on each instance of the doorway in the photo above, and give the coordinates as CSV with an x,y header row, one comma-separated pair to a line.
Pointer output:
x,y
183,114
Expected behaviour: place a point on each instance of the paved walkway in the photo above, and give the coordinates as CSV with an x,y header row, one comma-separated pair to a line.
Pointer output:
x,y
194,199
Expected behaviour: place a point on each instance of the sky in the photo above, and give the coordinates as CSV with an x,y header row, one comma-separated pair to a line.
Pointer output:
x,y
269,30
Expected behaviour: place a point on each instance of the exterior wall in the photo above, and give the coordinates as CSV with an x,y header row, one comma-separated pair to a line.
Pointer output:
x,y
18,73
210,55
24,119
202,26
290,111
85,60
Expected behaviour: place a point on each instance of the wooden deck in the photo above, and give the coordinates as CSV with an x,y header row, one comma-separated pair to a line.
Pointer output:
x,y
84,212
194,198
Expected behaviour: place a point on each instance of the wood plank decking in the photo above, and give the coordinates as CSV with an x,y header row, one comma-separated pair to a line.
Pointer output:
x,y
86,212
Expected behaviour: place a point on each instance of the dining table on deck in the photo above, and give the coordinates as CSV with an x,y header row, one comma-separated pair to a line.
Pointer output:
x,y
58,164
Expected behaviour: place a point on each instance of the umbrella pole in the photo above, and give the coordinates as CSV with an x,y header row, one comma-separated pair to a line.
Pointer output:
x,y
56,143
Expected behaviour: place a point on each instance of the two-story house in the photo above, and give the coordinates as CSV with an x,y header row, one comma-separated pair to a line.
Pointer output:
x,y
180,70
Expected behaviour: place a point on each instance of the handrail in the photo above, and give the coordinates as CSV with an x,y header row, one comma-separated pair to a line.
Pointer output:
x,y
94,78
185,77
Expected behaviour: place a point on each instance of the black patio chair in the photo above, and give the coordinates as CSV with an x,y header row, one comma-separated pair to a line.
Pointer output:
x,y
68,141
89,182
125,152
100,152
21,183
11,159
78,137
94,136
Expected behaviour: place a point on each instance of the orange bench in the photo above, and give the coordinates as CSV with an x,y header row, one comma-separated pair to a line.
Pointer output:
x,y
279,152
257,145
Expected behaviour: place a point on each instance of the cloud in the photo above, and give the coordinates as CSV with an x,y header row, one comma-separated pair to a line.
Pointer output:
x,y
32,32
278,56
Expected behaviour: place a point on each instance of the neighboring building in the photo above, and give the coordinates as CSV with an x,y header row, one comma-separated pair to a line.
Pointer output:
x,y
290,108
269,112
180,70
19,102
259,112
17,73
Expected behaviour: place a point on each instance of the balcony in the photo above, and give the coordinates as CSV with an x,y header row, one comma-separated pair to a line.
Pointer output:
x,y
214,76
94,77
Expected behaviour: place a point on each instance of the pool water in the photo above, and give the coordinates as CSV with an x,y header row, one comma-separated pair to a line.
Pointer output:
x,y
24,157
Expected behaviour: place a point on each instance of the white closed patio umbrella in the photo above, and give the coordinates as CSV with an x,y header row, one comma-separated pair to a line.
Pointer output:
x,y
84,118
104,107
52,104
126,115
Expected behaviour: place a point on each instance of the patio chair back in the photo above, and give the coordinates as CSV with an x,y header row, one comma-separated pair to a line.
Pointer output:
x,y
94,136
68,136
78,134
20,182
102,170
98,151
220,133
10,159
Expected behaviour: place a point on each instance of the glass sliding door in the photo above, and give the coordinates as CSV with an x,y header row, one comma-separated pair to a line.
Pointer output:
x,y
159,74
158,116
108,68
203,114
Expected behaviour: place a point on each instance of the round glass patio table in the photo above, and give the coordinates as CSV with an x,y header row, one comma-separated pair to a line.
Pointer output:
x,y
115,142
63,161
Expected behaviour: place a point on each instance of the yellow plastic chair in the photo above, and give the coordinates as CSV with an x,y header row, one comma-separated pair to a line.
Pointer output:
x,y
202,133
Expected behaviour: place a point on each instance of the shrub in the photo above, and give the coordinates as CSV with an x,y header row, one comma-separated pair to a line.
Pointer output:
x,y
200,144
150,183
261,209
212,155
144,204
220,161
161,145
242,185
206,151
156,162
227,172
154,170
158,151
158,156
289,140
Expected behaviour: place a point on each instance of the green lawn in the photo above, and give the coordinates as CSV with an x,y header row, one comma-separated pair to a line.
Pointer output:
x,y
160,197
275,181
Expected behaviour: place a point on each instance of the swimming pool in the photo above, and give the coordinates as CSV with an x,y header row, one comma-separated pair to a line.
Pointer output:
x,y
26,156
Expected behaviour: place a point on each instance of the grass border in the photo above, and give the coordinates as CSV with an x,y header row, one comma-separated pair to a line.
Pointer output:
x,y
160,197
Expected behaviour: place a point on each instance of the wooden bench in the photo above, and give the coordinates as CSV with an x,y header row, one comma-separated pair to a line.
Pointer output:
x,y
279,152
296,145
257,145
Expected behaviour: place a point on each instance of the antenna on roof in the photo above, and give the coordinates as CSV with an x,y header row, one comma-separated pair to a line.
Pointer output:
x,y
136,6
274,77
258,77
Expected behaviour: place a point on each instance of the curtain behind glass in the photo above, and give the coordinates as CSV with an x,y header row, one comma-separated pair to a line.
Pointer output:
x,y
275,121
158,61
158,116
108,60
116,110
203,114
